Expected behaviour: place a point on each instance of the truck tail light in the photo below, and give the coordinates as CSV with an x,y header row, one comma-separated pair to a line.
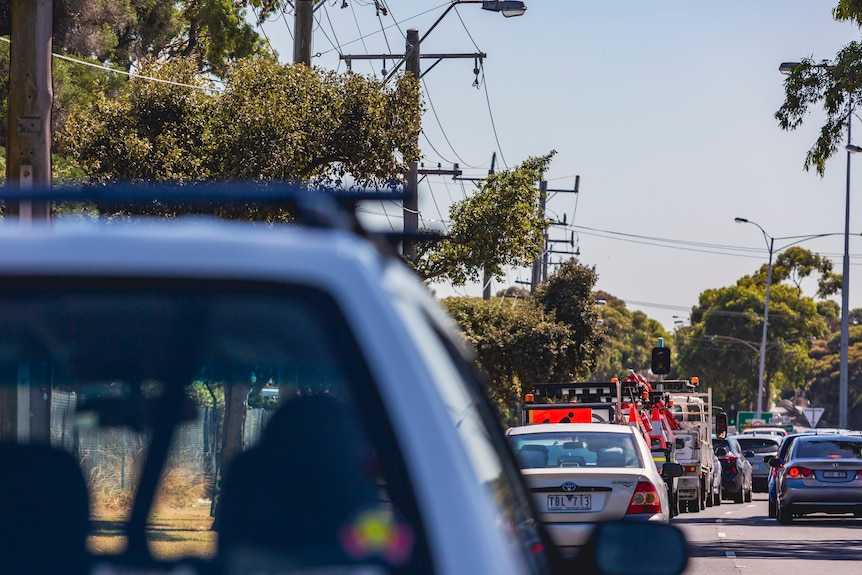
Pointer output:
x,y
644,500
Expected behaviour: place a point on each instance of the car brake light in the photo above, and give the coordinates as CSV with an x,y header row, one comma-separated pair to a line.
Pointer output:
x,y
731,462
795,472
690,468
645,499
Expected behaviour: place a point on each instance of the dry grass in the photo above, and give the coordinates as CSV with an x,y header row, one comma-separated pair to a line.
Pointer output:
x,y
179,524
171,534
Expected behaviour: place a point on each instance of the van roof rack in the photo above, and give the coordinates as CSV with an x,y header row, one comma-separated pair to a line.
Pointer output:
x,y
312,206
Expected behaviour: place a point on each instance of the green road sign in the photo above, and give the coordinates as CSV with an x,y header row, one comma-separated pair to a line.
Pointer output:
x,y
744,418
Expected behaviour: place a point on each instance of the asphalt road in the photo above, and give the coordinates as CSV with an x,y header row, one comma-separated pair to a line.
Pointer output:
x,y
739,538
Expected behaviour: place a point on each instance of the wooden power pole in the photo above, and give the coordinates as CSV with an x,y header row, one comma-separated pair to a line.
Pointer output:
x,y
28,131
25,407
303,24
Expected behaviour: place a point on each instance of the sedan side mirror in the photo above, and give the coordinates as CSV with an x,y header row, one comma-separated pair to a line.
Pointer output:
x,y
775,462
671,469
748,454
768,458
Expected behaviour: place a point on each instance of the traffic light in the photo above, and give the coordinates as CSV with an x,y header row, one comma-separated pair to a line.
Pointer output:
x,y
660,360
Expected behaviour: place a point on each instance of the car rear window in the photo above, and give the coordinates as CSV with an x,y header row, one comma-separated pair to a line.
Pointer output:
x,y
136,368
832,448
758,445
583,449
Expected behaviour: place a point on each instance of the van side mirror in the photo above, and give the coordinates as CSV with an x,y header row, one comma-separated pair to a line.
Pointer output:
x,y
609,549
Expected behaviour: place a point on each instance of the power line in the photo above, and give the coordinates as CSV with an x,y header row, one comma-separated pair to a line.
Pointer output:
x,y
125,73
491,114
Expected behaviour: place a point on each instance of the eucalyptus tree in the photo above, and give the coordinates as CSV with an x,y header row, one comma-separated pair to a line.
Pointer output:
x,y
496,227
723,344
835,85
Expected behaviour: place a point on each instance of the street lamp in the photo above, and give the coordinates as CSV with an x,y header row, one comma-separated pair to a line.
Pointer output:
x,y
786,68
770,245
508,8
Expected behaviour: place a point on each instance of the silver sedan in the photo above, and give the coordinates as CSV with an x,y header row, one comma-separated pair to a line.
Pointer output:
x,y
581,474
821,474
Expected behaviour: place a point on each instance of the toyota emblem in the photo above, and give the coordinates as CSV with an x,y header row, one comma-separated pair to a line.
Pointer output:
x,y
569,486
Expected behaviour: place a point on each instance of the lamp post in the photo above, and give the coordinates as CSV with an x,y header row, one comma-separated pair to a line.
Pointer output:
x,y
770,245
786,68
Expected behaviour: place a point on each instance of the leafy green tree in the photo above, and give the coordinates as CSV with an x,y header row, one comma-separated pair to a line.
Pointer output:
x,y
551,336
152,131
568,298
836,85
280,122
629,339
723,343
498,226
516,345
823,388
272,122
210,33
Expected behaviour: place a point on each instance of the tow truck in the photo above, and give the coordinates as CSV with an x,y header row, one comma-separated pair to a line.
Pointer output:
x,y
630,401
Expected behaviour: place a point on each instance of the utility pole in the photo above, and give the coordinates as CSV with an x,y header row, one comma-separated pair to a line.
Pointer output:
x,y
411,191
540,266
537,265
303,24
412,58
25,407
28,129
486,277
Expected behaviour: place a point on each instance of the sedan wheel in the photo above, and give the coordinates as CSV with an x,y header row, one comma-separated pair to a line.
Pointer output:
x,y
784,516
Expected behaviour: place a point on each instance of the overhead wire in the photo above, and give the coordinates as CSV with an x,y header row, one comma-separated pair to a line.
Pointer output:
x,y
362,37
129,74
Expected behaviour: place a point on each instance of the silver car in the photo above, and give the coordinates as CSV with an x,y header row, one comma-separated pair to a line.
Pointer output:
x,y
580,474
820,474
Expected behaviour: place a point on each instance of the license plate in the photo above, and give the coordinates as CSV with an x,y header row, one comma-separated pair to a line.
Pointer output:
x,y
570,502
835,474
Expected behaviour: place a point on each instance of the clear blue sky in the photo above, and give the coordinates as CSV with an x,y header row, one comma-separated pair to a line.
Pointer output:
x,y
665,110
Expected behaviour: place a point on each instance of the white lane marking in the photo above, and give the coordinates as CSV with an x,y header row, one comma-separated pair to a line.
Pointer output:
x,y
728,512
730,554
721,535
